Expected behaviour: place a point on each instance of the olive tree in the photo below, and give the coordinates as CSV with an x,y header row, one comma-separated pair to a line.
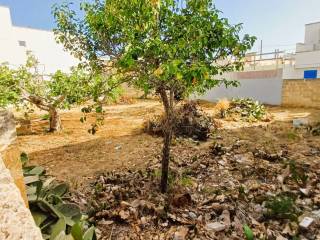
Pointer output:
x,y
171,48
27,85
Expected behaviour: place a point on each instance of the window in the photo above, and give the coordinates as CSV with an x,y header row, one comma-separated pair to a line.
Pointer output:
x,y
22,43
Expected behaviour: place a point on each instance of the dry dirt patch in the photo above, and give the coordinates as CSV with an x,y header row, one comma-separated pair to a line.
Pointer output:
x,y
75,155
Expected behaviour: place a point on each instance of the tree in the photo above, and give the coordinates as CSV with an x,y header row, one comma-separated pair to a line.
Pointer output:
x,y
172,49
27,85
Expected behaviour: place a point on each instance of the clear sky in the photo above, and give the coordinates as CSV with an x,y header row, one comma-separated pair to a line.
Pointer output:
x,y
279,23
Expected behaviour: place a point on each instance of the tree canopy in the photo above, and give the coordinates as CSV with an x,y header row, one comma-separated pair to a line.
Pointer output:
x,y
27,85
158,44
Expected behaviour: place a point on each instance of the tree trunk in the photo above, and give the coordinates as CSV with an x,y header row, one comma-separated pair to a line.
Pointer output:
x,y
55,121
165,159
167,139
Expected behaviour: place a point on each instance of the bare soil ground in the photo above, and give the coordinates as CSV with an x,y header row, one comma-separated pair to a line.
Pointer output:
x,y
76,155
227,186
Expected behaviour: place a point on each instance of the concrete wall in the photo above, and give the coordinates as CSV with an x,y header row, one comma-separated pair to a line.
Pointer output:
x,y
41,42
300,93
308,59
264,86
293,73
312,33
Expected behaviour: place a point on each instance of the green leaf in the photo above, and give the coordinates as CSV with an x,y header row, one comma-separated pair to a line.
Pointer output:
x,y
69,209
62,236
24,158
31,190
248,232
39,217
32,197
76,231
48,181
99,109
47,207
89,234
36,171
60,189
31,179
59,227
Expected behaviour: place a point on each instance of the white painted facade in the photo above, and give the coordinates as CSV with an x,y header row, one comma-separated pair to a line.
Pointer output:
x,y
307,56
257,82
16,41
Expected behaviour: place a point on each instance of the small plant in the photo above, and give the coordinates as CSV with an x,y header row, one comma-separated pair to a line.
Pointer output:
x,y
298,173
248,232
56,218
281,207
292,135
186,181
248,109
45,117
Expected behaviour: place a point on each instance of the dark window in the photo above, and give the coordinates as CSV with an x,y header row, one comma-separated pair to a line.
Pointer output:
x,y
22,43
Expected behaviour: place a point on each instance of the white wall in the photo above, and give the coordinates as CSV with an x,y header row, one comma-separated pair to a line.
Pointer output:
x,y
41,42
43,45
265,90
8,45
312,33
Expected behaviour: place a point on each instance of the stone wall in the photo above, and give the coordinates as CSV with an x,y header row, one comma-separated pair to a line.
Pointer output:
x,y
10,151
16,221
300,93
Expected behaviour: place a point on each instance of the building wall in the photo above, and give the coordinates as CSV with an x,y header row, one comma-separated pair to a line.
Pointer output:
x,y
293,73
41,42
300,93
264,86
312,33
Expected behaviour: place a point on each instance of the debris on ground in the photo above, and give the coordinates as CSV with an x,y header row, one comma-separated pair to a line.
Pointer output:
x,y
226,191
315,129
190,121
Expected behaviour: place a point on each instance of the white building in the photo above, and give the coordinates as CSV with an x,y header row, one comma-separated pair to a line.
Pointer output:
x,y
16,41
279,78
307,56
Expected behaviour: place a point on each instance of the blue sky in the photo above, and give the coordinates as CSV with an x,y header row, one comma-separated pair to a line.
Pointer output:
x,y
279,23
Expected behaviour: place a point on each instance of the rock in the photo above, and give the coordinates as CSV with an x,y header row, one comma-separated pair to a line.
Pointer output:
x,y
225,218
215,226
124,214
306,222
279,237
125,204
305,191
298,122
316,214
244,158
181,233
16,221
192,215
104,222
118,147
143,221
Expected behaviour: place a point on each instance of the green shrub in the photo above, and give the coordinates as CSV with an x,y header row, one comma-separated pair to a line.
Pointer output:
x,y
298,173
281,207
247,108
